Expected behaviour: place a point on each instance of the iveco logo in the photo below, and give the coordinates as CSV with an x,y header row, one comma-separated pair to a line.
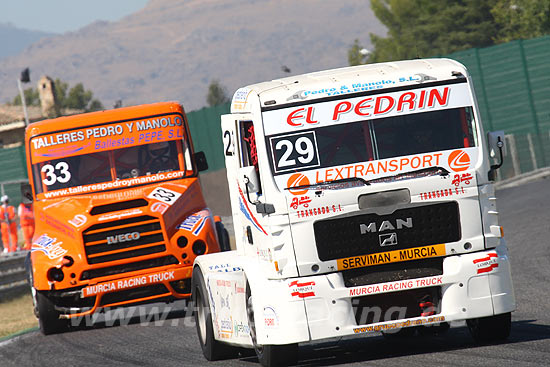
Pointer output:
x,y
386,225
123,237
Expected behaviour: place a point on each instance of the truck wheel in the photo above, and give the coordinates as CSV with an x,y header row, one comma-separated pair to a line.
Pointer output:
x,y
30,281
211,348
269,355
223,237
490,329
48,317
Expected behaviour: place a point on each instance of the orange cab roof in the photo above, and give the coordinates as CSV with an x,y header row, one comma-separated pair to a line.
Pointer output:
x,y
91,118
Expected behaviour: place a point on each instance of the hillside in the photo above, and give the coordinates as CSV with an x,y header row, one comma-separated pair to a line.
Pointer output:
x,y
13,40
172,49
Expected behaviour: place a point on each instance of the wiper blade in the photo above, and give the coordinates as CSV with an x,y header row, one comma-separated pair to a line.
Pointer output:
x,y
343,183
423,172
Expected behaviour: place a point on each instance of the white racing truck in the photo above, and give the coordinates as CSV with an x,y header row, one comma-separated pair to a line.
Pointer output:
x,y
362,201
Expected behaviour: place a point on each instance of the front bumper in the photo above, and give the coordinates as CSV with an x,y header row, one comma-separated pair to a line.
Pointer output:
x,y
471,286
146,287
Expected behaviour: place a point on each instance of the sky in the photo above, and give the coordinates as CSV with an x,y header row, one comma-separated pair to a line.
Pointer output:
x,y
59,16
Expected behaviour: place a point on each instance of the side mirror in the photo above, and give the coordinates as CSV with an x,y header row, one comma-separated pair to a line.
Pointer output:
x,y
201,162
26,191
497,143
249,179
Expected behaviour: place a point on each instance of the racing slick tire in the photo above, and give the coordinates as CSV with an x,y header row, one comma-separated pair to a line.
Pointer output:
x,y
48,316
223,237
269,355
490,329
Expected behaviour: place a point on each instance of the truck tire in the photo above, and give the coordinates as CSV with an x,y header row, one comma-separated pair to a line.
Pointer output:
x,y
48,317
490,329
30,281
269,355
212,349
223,237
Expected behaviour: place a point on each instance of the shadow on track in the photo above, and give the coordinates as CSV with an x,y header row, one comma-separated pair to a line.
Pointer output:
x,y
377,348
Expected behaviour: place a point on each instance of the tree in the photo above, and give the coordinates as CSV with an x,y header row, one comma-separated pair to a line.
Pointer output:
x,y
31,98
518,19
60,92
77,97
216,94
357,54
424,28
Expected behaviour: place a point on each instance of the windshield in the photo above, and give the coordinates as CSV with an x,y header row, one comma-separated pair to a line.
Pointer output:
x,y
131,166
110,156
369,140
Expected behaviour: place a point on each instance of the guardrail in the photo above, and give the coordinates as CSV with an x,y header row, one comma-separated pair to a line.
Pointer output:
x,y
13,278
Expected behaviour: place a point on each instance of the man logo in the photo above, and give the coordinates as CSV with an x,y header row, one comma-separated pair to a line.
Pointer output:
x,y
297,179
388,239
386,225
459,160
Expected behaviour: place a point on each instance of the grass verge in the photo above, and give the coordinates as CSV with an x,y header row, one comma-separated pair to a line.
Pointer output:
x,y
16,315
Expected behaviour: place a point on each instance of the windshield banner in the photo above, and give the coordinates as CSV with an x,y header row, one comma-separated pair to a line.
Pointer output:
x,y
105,137
341,111
456,162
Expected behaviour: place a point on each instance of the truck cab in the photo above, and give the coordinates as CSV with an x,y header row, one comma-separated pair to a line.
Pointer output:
x,y
362,201
119,211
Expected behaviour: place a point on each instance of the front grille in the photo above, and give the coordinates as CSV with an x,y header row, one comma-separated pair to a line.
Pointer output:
x,y
135,293
405,228
395,305
126,268
121,205
123,239
393,272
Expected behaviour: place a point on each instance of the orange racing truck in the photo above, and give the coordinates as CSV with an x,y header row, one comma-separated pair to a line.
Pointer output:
x,y
120,215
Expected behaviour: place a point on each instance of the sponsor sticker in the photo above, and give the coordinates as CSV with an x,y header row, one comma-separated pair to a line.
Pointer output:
x,y
165,195
49,246
240,99
395,286
78,220
120,215
159,207
137,281
459,160
195,222
302,290
487,264
366,107
399,324
299,201
224,268
297,179
391,257
271,319
436,194
314,212
241,329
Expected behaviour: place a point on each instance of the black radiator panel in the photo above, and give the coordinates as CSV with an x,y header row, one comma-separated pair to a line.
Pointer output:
x,y
371,233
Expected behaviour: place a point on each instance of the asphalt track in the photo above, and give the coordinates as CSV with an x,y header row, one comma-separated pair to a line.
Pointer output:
x,y
525,214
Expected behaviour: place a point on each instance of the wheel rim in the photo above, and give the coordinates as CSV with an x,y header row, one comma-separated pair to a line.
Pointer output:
x,y
201,317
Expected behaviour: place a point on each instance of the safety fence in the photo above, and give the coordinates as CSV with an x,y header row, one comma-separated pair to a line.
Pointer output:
x,y
525,153
13,278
